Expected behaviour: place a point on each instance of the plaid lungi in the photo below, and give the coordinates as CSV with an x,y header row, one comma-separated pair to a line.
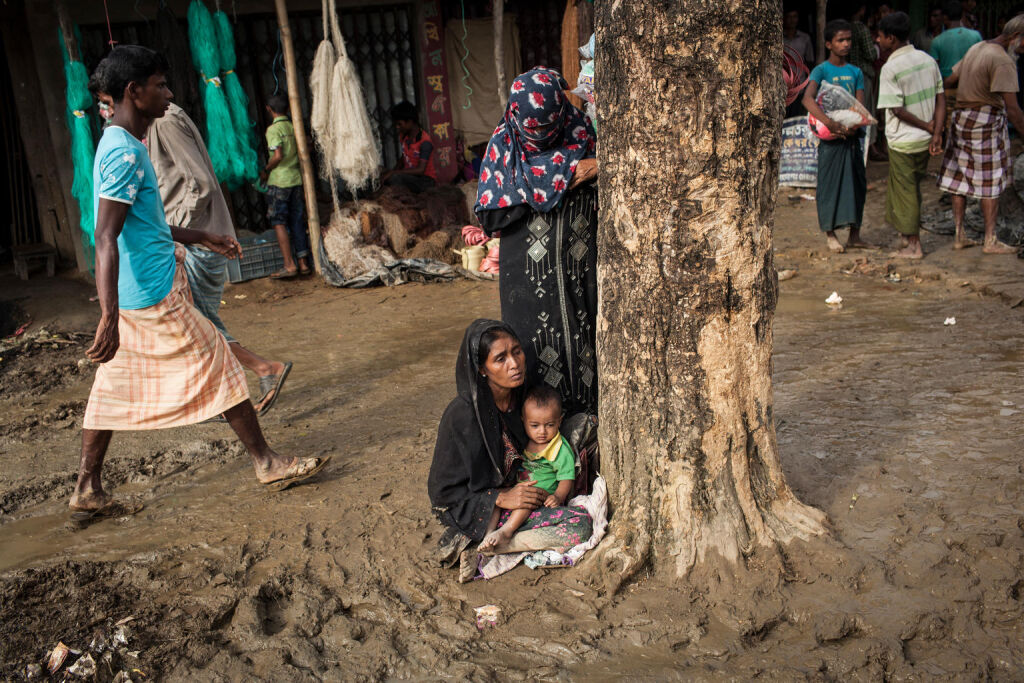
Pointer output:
x,y
172,368
977,158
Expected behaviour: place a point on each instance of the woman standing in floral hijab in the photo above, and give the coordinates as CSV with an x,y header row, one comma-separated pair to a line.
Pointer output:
x,y
535,190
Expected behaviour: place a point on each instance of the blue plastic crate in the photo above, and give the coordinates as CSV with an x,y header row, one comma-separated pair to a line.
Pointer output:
x,y
260,257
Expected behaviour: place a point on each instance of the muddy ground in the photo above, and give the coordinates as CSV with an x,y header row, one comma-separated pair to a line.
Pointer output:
x,y
906,431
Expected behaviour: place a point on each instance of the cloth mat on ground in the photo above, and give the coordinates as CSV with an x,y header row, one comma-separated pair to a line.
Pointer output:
x,y
596,505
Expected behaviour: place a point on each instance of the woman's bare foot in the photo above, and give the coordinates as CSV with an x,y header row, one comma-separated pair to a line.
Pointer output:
x,y
834,245
494,540
996,247
962,242
913,252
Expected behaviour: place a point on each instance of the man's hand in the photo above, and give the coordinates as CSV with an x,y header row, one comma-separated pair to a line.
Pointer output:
x,y
104,346
586,170
263,177
223,245
935,146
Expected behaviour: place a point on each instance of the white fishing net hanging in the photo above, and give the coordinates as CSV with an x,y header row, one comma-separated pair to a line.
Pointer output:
x,y
348,142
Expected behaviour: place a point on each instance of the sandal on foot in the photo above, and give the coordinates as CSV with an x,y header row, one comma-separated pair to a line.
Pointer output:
x,y
269,383
305,271
112,508
301,469
284,274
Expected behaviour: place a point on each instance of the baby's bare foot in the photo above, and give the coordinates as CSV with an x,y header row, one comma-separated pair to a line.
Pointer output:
x,y
493,540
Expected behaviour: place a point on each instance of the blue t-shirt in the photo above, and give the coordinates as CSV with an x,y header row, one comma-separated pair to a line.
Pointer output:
x,y
122,172
846,76
950,46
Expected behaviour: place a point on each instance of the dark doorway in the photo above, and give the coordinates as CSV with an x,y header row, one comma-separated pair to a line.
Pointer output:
x,y
19,215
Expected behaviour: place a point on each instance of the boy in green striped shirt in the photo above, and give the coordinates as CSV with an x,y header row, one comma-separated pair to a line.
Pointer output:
x,y
910,88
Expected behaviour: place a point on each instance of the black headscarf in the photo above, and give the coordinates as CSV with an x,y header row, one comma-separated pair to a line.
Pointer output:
x,y
469,457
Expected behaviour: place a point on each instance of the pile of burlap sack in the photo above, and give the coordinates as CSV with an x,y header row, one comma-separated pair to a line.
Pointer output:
x,y
398,237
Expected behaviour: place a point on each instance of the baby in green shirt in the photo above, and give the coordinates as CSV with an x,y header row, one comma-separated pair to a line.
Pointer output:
x,y
548,461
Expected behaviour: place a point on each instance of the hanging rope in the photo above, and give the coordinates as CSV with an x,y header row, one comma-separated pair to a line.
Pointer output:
x,y
794,73
465,56
341,126
110,32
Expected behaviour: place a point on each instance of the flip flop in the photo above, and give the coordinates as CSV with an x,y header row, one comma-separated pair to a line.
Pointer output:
x,y
282,484
284,274
113,508
273,383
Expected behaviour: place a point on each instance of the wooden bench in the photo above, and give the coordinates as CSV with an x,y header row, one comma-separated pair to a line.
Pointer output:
x,y
28,253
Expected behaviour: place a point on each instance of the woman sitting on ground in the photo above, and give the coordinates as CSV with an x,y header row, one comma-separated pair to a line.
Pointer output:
x,y
476,459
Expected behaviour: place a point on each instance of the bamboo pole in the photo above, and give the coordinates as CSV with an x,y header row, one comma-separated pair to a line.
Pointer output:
x,y
301,142
499,50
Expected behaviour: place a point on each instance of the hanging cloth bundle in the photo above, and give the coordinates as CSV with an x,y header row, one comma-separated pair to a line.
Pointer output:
x,y
220,131
238,103
83,148
346,137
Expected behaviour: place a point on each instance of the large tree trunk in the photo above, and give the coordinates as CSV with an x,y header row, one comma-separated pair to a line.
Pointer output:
x,y
689,110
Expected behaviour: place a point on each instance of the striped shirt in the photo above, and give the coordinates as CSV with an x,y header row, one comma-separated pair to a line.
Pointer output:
x,y
910,79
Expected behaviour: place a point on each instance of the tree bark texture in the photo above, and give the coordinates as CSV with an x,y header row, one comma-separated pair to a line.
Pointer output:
x,y
690,108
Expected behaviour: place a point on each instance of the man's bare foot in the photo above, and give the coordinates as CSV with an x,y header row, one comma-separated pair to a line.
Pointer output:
x,y
997,247
495,540
909,252
961,242
279,467
834,245
89,500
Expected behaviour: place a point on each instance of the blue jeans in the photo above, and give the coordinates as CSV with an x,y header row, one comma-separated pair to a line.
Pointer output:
x,y
287,206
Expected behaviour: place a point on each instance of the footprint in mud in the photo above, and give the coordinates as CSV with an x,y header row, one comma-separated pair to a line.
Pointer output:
x,y
149,468
43,363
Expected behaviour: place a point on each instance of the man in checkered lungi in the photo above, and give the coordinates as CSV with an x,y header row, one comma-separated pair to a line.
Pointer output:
x,y
161,362
977,159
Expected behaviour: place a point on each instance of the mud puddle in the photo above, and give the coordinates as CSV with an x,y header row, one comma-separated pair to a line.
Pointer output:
x,y
901,428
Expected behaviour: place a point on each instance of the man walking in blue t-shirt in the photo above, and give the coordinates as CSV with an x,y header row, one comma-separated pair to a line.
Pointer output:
x,y
161,363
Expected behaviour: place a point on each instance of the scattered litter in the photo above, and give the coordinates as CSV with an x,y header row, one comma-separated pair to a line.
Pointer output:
x,y
853,501
807,197
21,330
33,671
85,667
547,558
239,296
223,303
121,635
1007,412
125,621
1008,403
578,594
949,321
893,277
787,274
487,616
834,299
57,657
